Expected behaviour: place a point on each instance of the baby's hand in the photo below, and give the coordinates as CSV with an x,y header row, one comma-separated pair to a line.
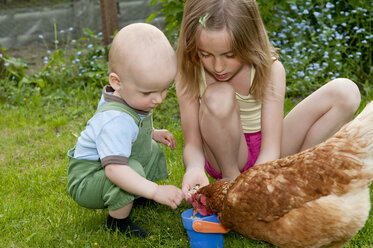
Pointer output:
x,y
165,137
168,195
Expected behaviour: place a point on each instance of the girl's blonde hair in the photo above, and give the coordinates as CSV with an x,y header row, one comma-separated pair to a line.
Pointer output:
x,y
249,40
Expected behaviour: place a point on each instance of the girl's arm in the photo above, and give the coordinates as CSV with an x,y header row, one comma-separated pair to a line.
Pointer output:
x,y
193,156
272,115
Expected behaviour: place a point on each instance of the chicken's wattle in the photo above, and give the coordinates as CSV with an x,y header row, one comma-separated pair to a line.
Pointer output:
x,y
199,203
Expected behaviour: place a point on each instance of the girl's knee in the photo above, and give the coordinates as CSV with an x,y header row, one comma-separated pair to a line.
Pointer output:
x,y
219,99
346,93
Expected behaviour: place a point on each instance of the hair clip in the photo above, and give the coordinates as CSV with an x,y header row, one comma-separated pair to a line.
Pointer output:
x,y
202,20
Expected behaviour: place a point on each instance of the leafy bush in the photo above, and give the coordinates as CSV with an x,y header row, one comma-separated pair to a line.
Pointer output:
x,y
318,40
173,12
321,40
75,65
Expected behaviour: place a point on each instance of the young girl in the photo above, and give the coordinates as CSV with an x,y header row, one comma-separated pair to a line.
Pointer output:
x,y
231,89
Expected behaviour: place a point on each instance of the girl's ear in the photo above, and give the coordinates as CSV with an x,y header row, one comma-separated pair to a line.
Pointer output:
x,y
114,80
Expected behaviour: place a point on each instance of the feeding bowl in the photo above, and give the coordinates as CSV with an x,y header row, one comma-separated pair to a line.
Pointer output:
x,y
203,231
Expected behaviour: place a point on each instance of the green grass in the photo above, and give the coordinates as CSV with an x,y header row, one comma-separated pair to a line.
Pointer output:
x,y
43,112
35,208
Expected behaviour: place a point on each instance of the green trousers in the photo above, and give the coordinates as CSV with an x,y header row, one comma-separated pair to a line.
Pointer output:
x,y
87,181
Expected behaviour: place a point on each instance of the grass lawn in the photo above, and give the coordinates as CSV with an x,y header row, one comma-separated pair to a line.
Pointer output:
x,y
42,113
36,210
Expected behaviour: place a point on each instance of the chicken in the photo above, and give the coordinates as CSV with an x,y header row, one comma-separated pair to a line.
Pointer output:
x,y
316,198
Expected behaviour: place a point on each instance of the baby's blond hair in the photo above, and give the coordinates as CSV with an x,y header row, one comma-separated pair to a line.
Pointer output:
x,y
138,44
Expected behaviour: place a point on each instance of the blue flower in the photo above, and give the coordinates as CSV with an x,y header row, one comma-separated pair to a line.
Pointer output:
x,y
338,36
360,30
329,5
300,73
326,55
316,14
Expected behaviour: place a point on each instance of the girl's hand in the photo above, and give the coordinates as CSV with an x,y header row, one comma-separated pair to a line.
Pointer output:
x,y
192,177
165,137
168,195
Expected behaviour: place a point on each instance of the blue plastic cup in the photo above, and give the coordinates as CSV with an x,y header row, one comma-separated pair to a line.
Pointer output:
x,y
201,240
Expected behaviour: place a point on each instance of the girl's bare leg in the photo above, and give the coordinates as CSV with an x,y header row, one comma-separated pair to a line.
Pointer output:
x,y
224,143
319,116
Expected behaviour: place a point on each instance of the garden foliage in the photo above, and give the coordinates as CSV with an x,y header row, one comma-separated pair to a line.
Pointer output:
x,y
317,40
73,67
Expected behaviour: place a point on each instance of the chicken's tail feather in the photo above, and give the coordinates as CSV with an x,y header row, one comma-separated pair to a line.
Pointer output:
x,y
361,127
358,137
366,115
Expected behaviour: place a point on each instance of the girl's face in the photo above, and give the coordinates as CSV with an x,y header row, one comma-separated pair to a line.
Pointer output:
x,y
215,52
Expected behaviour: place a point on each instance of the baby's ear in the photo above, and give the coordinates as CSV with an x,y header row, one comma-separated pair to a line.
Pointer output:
x,y
114,80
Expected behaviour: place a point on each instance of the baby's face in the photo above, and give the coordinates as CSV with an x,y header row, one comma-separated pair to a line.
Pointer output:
x,y
143,96
145,63
145,87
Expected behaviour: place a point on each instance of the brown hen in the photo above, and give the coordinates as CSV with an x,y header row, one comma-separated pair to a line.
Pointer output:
x,y
316,198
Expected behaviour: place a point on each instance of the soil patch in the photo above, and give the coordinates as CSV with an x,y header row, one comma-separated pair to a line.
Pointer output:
x,y
33,55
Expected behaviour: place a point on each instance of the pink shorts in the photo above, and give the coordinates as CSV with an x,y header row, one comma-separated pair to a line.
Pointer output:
x,y
253,141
